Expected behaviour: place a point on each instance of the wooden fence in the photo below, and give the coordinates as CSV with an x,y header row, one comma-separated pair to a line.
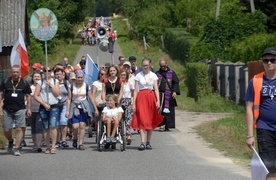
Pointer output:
x,y
230,80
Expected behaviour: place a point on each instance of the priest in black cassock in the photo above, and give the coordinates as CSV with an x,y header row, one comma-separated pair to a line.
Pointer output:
x,y
168,83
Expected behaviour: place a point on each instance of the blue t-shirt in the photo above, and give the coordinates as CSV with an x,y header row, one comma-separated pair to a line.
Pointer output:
x,y
267,117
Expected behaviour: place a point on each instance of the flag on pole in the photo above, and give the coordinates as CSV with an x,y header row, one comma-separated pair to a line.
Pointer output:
x,y
19,55
91,71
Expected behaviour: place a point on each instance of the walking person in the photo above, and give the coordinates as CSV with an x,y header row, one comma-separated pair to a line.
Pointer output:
x,y
13,91
35,120
126,103
145,104
168,84
260,111
78,108
63,85
46,94
96,95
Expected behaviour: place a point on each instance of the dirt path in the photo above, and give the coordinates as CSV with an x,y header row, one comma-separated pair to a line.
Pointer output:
x,y
185,121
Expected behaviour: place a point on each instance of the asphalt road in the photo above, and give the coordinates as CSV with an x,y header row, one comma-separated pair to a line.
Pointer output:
x,y
177,154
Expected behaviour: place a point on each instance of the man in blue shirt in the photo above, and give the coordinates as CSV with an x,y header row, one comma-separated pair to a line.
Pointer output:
x,y
261,111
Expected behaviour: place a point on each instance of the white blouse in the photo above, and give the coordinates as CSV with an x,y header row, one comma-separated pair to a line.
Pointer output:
x,y
146,81
112,112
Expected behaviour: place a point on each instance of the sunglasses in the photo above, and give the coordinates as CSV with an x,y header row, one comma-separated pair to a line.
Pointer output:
x,y
272,61
47,70
82,64
163,66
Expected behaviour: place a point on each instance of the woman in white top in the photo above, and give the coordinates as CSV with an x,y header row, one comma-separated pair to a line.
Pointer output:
x,y
98,103
78,108
145,104
35,121
112,114
126,103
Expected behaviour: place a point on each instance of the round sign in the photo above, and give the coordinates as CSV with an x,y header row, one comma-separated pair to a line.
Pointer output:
x,y
44,24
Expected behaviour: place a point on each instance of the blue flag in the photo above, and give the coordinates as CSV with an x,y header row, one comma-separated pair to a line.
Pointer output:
x,y
91,71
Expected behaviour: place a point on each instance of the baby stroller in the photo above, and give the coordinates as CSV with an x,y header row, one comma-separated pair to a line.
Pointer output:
x,y
120,136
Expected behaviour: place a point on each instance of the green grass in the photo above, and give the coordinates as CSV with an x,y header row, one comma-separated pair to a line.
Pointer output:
x,y
227,135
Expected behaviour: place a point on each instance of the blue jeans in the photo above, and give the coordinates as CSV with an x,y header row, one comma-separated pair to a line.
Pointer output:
x,y
50,119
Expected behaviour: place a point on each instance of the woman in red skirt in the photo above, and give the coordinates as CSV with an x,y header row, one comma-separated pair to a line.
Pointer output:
x,y
146,104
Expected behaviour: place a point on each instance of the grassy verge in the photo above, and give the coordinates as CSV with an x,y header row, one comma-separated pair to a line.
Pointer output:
x,y
227,135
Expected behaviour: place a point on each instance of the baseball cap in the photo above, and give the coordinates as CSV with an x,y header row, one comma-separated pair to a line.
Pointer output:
x,y
132,58
36,65
127,63
269,50
72,76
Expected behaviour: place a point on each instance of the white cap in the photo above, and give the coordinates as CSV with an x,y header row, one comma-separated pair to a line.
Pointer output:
x,y
127,63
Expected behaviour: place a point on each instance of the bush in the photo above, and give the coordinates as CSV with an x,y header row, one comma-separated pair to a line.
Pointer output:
x,y
177,43
251,48
197,80
219,34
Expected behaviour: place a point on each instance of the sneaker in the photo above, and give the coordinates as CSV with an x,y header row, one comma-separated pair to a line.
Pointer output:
x,y
148,146
128,141
108,140
81,147
43,143
16,152
64,144
39,150
58,145
113,139
75,144
10,148
23,143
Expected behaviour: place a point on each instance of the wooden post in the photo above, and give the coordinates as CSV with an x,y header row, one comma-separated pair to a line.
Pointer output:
x,y
145,43
162,42
238,65
217,10
252,6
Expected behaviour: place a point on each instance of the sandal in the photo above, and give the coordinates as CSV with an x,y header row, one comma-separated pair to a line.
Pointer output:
x,y
48,151
142,147
53,151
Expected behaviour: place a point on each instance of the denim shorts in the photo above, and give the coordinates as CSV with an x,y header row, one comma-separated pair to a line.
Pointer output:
x,y
63,119
17,118
267,148
50,119
80,118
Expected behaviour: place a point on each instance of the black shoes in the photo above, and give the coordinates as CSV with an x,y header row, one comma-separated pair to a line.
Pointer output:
x,y
142,147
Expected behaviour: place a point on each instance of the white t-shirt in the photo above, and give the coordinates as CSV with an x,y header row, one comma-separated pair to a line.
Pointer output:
x,y
146,81
127,88
79,93
112,112
99,86
45,90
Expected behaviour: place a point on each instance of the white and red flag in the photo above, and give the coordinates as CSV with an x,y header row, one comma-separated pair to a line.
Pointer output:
x,y
19,55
